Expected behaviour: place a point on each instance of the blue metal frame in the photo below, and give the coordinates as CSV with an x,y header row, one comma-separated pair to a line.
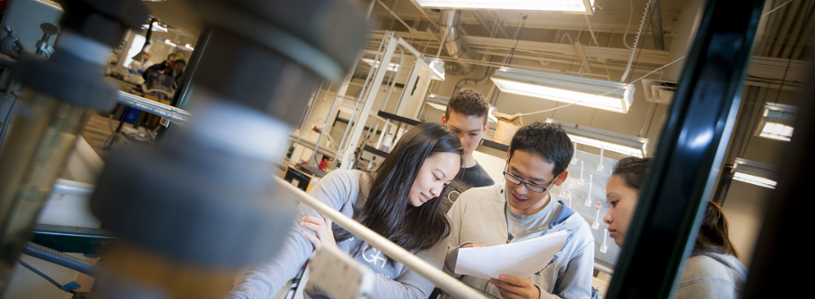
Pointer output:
x,y
682,175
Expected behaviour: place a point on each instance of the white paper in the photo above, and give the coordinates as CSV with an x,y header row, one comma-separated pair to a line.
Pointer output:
x,y
520,259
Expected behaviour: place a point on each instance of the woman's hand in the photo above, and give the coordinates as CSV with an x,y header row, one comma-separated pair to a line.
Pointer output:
x,y
321,227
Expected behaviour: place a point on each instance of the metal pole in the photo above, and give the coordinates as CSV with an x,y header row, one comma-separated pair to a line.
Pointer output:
x,y
396,252
672,200
392,82
150,106
325,126
308,115
340,150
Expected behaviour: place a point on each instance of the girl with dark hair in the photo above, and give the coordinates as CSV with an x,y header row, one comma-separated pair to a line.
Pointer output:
x,y
398,201
713,270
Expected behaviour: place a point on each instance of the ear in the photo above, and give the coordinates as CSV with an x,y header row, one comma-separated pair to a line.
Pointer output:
x,y
508,151
562,178
486,127
443,120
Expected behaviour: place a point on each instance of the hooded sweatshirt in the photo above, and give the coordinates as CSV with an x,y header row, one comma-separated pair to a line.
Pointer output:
x,y
480,216
712,275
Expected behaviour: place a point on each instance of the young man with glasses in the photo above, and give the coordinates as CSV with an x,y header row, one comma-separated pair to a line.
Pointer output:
x,y
522,208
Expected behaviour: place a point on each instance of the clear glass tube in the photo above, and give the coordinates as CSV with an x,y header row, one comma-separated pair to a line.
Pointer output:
x,y
42,136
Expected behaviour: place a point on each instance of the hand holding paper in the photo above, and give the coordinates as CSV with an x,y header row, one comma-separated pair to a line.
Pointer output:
x,y
520,259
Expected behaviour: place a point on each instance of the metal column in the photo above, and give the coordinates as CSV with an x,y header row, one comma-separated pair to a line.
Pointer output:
x,y
681,178
370,98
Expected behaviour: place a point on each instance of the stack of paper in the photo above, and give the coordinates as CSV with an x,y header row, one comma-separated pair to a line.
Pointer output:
x,y
520,259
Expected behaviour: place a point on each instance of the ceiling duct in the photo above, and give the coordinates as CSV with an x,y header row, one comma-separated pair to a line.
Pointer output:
x,y
454,43
660,92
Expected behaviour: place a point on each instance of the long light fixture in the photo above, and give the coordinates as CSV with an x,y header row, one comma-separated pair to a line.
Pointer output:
x,y
751,172
391,66
167,41
607,140
156,27
574,6
777,122
600,94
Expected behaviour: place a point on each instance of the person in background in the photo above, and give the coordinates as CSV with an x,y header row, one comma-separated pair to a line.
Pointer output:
x,y
398,201
325,161
161,67
466,115
178,70
140,65
522,208
146,63
713,270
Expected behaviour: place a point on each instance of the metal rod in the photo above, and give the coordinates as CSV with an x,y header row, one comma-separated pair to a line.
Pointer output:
x,y
392,80
308,115
340,150
439,278
153,107
325,126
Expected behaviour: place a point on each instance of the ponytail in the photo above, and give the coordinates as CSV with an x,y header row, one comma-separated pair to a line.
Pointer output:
x,y
713,234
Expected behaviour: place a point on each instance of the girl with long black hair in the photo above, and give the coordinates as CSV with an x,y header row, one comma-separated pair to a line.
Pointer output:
x,y
398,201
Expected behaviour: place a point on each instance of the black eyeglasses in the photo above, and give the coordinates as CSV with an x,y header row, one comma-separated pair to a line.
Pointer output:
x,y
531,186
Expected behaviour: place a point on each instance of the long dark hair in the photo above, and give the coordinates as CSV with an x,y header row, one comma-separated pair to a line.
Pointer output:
x,y
386,210
713,234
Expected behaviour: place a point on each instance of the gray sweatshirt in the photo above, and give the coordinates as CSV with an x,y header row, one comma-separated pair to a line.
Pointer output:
x,y
712,275
340,189
479,217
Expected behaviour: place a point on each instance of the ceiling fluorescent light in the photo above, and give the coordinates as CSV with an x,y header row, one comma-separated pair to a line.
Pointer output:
x,y
156,27
167,41
437,106
391,66
600,94
610,141
777,122
751,172
574,6
436,68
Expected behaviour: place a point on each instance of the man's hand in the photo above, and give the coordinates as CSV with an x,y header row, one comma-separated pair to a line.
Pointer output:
x,y
512,287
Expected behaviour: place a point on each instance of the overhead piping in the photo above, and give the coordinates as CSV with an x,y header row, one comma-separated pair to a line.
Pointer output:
x,y
656,27
487,26
454,43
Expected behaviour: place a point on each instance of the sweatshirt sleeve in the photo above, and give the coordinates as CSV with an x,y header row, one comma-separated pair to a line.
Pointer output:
x,y
411,285
265,280
455,216
576,281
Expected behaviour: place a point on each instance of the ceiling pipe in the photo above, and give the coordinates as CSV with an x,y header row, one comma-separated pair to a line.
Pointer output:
x,y
790,44
772,30
656,27
799,47
782,34
454,43
489,27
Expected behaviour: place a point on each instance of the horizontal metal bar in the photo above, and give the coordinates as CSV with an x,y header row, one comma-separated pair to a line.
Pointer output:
x,y
440,279
153,107
72,188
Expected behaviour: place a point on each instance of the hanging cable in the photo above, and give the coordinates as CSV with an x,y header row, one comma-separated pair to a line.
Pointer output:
x,y
778,7
636,41
518,38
